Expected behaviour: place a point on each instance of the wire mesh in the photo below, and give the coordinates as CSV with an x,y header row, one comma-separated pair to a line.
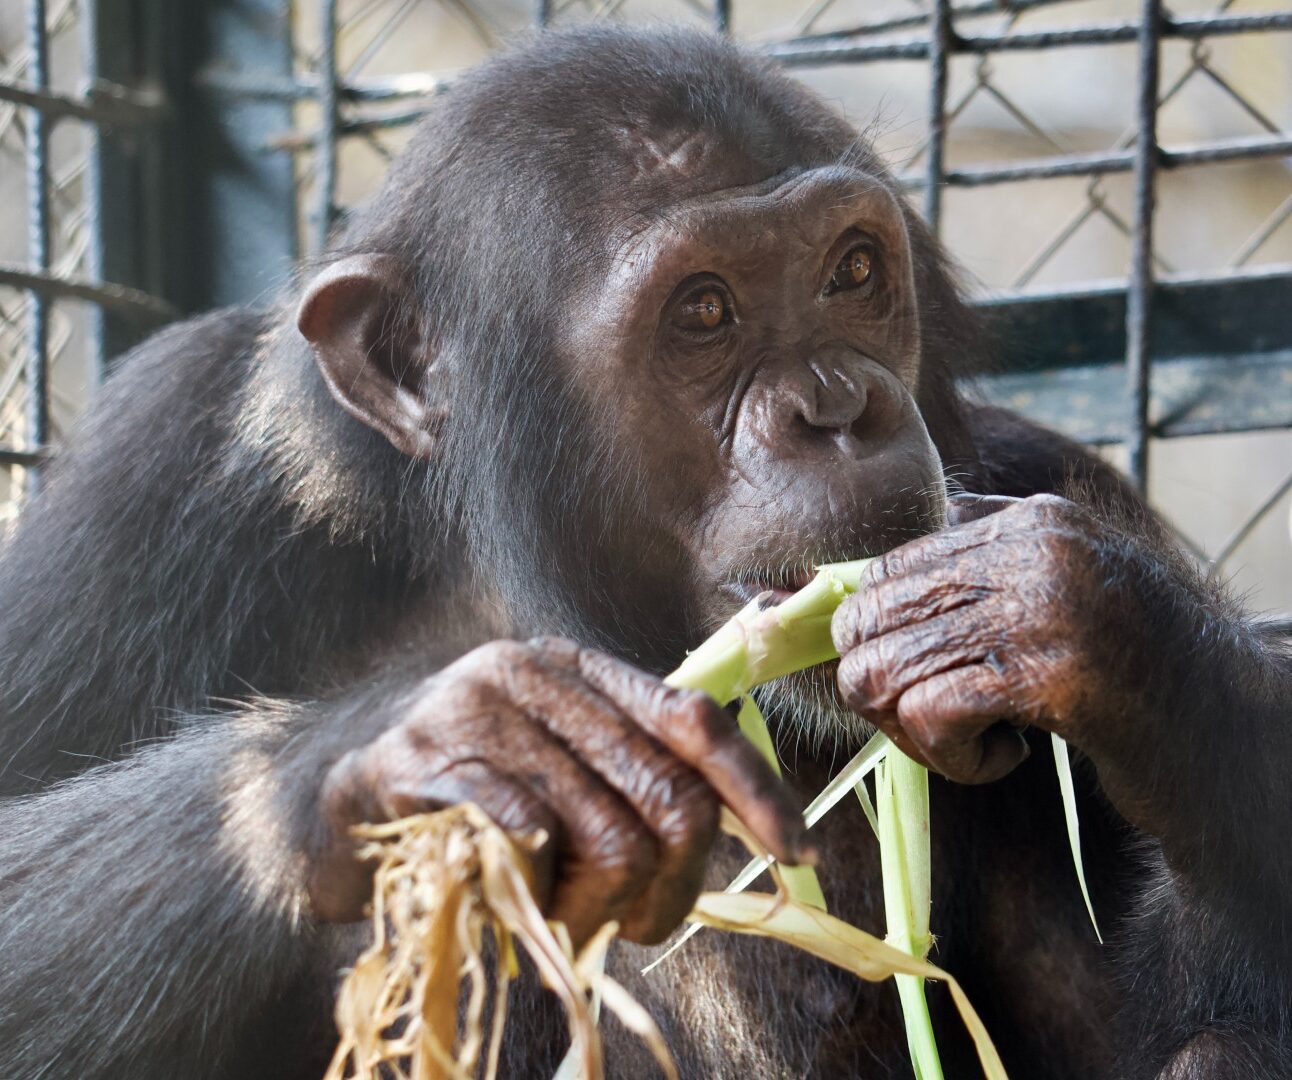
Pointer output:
x,y
363,77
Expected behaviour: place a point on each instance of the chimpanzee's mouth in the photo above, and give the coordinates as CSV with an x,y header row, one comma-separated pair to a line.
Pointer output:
x,y
776,585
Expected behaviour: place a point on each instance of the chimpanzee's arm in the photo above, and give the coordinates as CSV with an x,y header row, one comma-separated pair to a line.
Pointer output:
x,y
1185,705
157,912
1202,766
1209,963
154,918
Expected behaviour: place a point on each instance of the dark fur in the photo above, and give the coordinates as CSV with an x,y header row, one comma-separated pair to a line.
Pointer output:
x,y
219,529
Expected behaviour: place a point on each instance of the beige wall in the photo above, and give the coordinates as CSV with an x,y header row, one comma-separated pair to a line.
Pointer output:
x,y
1079,97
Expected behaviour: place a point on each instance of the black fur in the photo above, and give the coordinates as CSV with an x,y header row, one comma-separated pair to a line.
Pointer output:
x,y
220,531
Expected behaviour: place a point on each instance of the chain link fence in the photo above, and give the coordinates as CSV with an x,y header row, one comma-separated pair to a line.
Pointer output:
x,y
1115,175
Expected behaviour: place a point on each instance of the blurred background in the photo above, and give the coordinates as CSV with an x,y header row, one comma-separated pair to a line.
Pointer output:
x,y
159,158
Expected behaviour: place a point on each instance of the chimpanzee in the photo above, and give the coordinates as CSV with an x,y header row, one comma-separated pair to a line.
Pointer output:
x,y
636,329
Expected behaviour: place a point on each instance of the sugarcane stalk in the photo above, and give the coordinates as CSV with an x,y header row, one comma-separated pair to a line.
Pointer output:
x,y
760,644
902,794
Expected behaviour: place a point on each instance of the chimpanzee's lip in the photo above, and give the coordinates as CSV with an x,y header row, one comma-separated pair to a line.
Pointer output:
x,y
776,585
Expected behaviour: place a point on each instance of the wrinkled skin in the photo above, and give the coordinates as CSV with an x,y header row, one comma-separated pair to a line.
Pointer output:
x,y
779,431
623,775
790,429
636,328
957,640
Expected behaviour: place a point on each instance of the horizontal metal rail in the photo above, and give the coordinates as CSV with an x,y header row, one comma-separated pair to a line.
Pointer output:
x,y
1103,287
105,103
306,86
21,458
1112,161
805,52
921,18
129,302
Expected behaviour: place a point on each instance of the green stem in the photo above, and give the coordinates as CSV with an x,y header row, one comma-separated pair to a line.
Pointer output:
x,y
756,646
801,882
902,804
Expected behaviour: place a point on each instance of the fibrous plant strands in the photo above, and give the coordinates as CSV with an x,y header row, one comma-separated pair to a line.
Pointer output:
x,y
442,880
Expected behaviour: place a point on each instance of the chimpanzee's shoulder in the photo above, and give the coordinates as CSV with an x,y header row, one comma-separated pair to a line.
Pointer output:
x,y
222,330
1020,457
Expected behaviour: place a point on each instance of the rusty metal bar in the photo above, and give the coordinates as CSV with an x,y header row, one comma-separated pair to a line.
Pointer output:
x,y
1139,297
941,42
325,202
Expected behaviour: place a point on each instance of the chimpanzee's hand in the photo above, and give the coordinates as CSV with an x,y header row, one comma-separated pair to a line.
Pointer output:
x,y
1023,612
624,775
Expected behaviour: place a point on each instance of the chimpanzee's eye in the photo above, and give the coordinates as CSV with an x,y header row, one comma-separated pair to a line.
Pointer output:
x,y
703,310
854,270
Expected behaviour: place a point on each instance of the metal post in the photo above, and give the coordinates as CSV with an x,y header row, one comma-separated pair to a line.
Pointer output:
x,y
94,255
722,16
37,370
1139,295
940,44
325,204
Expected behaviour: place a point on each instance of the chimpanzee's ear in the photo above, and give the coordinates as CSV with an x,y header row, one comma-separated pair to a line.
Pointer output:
x,y
373,354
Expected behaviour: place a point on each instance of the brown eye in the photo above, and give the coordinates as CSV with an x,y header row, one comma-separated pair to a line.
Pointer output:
x,y
705,310
854,269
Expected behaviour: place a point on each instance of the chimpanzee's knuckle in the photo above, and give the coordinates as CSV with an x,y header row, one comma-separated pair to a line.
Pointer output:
x,y
845,624
695,711
557,650
891,564
448,710
683,810
340,794
487,658
858,681
1052,510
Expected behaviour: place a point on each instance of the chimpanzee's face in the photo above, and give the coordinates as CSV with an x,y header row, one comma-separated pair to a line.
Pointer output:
x,y
760,344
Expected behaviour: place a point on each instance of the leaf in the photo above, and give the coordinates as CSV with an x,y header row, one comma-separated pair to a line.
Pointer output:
x,y
837,943
1063,766
801,881
862,763
867,806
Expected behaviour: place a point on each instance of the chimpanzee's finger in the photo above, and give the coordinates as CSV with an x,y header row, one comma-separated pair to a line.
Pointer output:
x,y
510,805
363,787
892,603
977,530
878,671
964,507
887,721
674,801
605,855
959,720
695,728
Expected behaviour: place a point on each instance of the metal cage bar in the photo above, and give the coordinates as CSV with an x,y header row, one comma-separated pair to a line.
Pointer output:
x,y
940,44
37,367
1139,296
1139,319
325,200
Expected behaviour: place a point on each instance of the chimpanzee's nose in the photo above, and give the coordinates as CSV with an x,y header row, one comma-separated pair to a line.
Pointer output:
x,y
836,401
833,398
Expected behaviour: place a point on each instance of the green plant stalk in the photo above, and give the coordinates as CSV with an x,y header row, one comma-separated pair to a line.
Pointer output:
x,y
902,797
755,646
801,882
